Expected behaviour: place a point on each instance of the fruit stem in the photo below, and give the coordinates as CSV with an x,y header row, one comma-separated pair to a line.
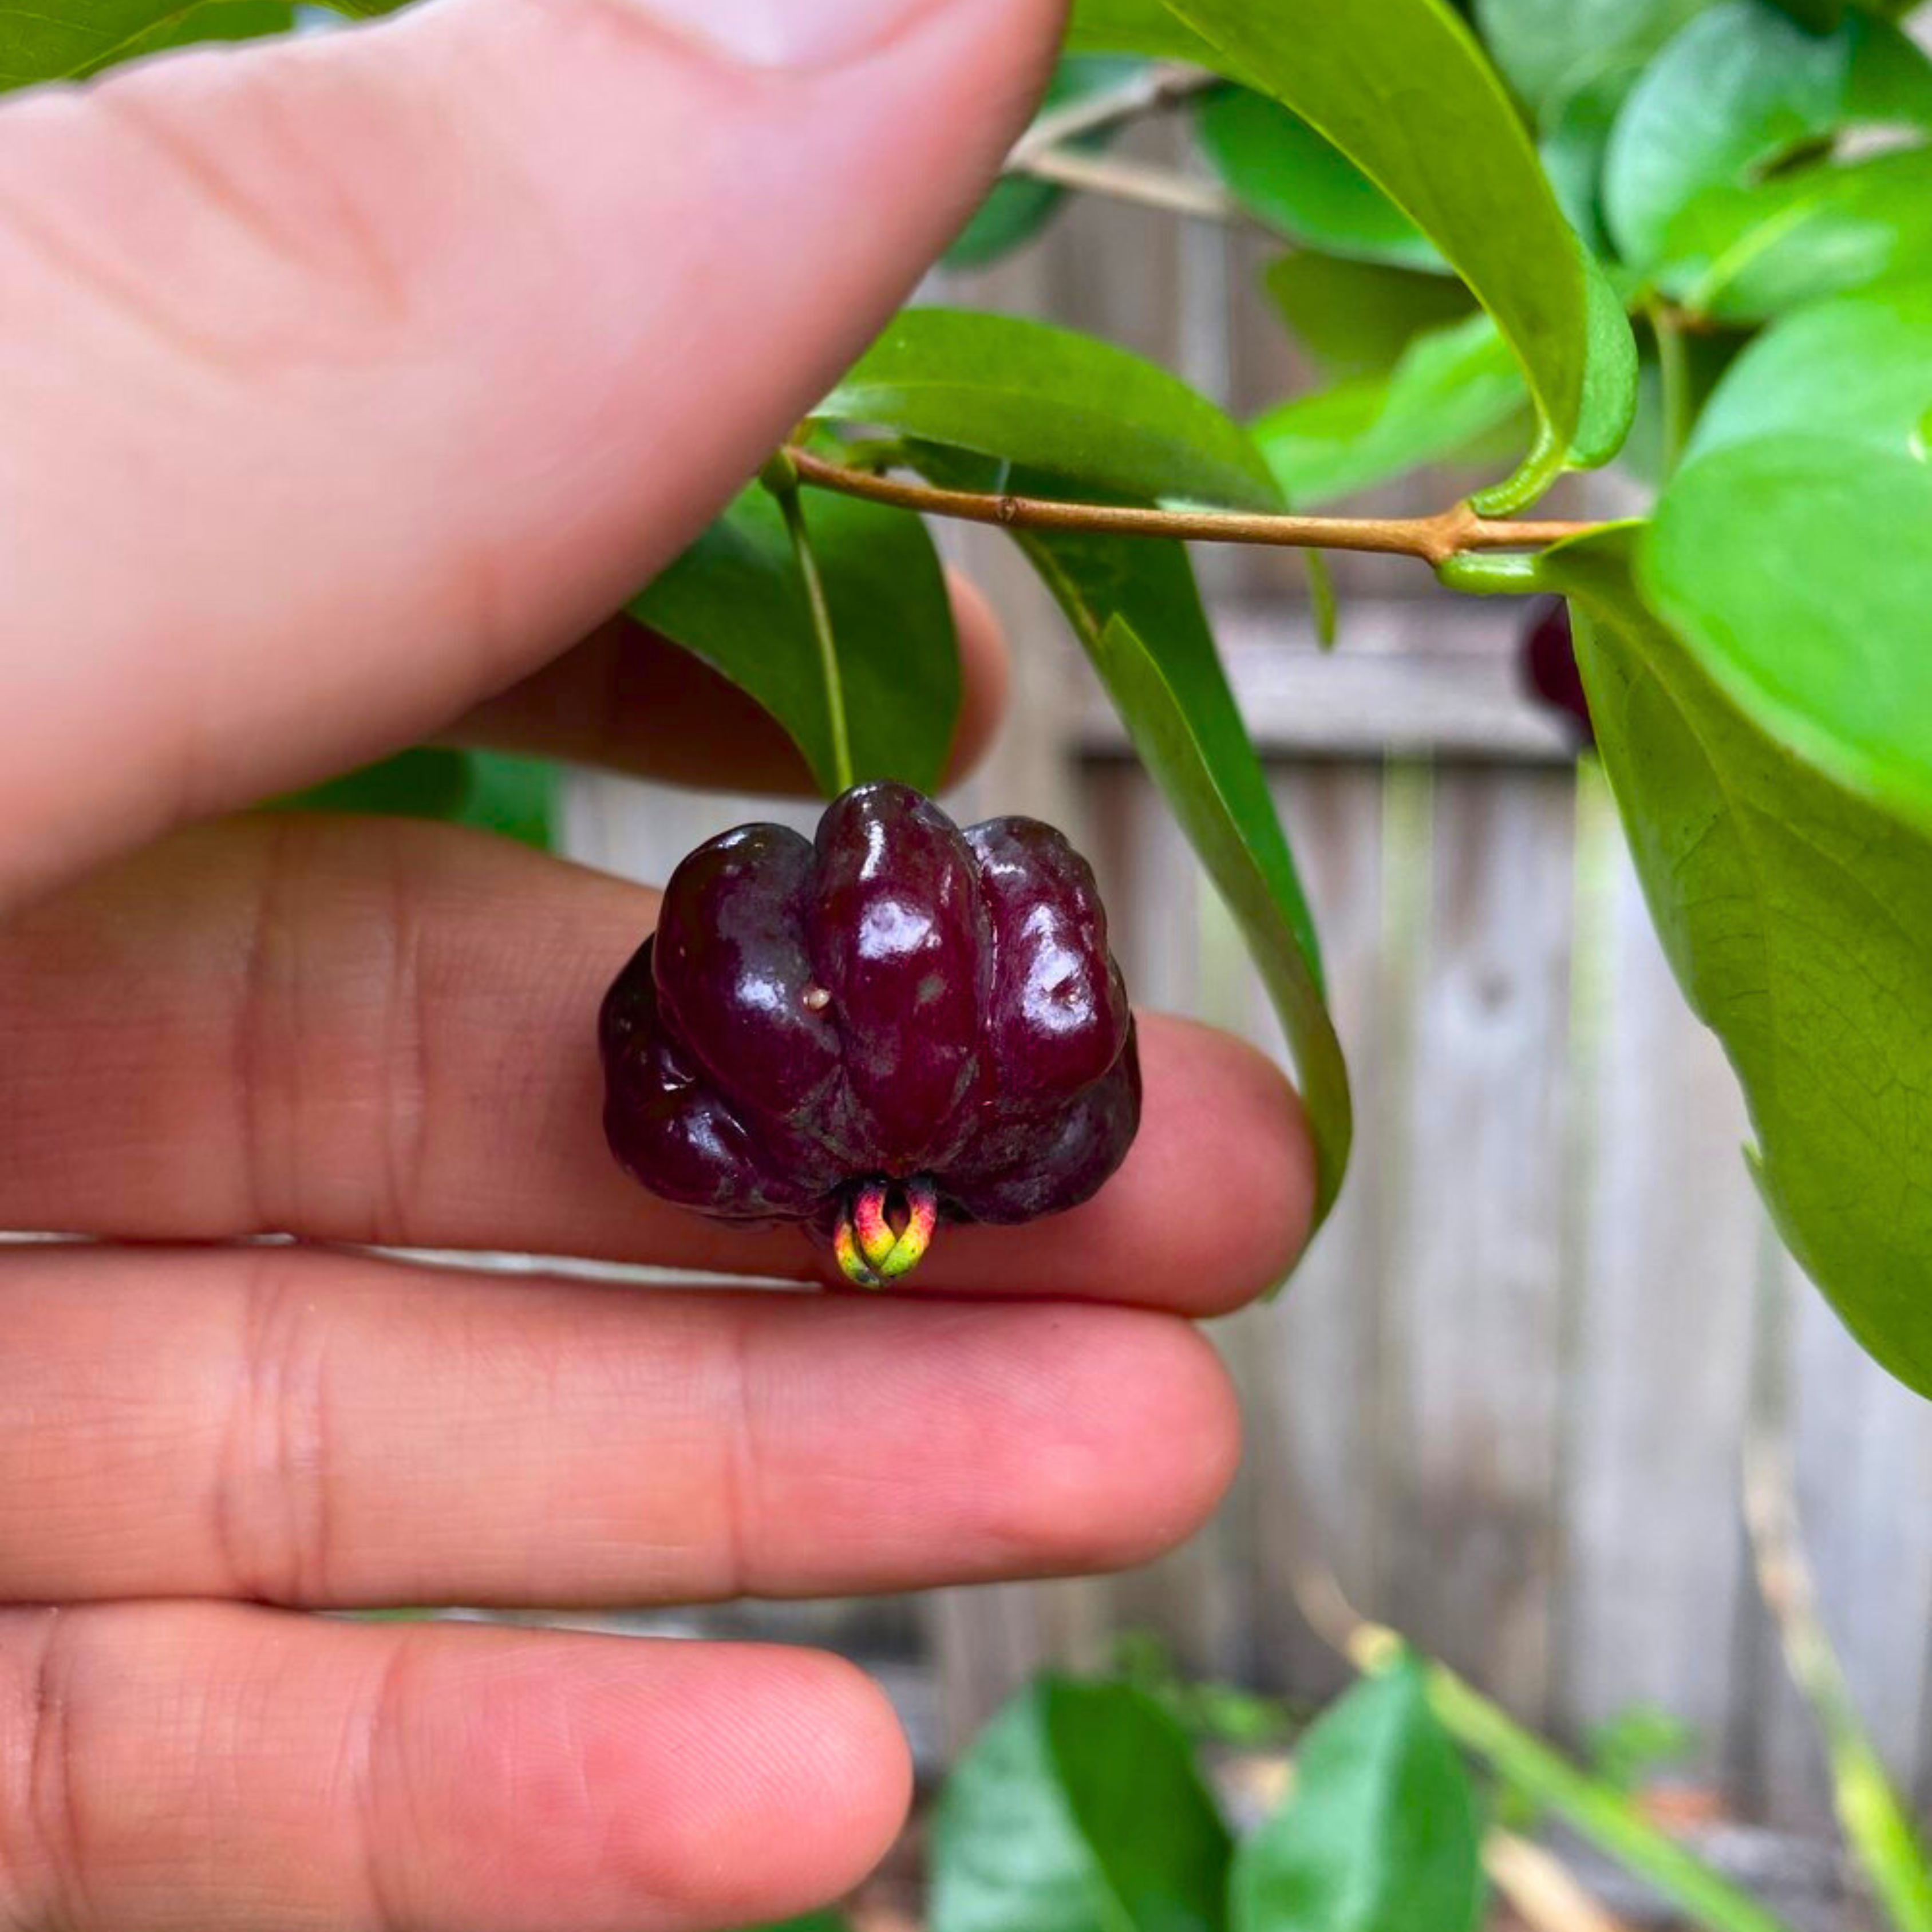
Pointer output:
x,y
792,509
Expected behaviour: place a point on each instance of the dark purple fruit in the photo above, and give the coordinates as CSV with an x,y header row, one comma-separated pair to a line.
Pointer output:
x,y
1549,669
898,1024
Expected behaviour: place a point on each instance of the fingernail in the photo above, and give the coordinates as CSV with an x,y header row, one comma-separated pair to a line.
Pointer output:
x,y
794,34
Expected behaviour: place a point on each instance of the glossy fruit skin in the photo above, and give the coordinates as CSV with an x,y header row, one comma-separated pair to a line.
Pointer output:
x,y
897,1000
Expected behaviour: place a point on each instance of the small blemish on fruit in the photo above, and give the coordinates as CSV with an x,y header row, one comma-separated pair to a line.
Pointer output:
x,y
816,999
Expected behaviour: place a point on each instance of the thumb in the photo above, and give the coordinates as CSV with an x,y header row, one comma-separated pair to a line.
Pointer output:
x,y
349,378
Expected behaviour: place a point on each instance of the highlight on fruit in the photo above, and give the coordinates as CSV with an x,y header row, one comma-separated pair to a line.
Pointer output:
x,y
898,1025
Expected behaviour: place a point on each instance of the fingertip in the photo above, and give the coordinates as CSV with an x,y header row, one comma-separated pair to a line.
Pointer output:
x,y
1145,1441
833,1776
1243,1156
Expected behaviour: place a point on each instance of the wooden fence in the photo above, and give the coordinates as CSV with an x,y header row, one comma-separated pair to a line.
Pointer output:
x,y
1505,1398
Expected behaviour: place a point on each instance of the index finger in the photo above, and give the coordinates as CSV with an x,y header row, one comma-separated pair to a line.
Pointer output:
x,y
347,380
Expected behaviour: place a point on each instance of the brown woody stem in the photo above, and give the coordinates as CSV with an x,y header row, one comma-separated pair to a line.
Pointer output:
x,y
1433,540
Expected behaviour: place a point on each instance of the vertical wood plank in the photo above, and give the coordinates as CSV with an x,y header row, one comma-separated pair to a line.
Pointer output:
x,y
1475,1324
1862,1445
1660,1375
1309,1365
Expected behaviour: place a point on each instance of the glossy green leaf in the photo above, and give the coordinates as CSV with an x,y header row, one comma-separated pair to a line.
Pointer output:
x,y
1742,86
1858,369
1379,1831
219,20
1027,393
66,42
1575,147
1549,49
1451,387
1790,552
1137,27
1401,87
735,599
1799,567
1819,16
1018,207
1136,610
1745,255
1798,918
1300,185
813,1921
1166,735
516,797
1356,318
73,38
1079,1809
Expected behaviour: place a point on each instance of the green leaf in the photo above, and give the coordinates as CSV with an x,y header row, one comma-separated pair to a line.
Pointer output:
x,y
1790,550
1797,568
1018,208
1742,86
219,20
1451,387
1798,918
73,38
1355,318
516,797
1292,179
1550,48
1137,27
1165,735
81,37
1575,147
736,599
1027,393
1134,606
1401,87
1079,1809
1820,16
1743,255
813,1921
1378,1831
1859,369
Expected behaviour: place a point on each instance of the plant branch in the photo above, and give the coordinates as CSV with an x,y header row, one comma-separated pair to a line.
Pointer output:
x,y
1156,87
1541,1888
1141,182
1433,540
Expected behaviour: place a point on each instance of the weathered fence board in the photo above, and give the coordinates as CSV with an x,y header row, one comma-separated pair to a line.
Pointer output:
x,y
1666,1276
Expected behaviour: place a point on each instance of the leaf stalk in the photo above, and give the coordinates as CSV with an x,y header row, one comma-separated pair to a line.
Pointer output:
x,y
794,511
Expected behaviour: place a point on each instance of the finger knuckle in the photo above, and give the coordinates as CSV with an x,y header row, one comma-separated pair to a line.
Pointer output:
x,y
271,1499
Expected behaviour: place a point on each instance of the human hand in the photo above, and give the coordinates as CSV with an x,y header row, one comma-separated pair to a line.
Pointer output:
x,y
347,384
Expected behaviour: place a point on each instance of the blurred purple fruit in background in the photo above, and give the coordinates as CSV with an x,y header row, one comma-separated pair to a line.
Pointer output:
x,y
1548,663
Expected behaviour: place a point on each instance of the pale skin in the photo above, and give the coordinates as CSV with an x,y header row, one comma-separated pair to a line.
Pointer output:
x,y
346,386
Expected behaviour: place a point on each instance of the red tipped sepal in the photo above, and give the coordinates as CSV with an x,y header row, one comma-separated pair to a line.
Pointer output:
x,y
884,1230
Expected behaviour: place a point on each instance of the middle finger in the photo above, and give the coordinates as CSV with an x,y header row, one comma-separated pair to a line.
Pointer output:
x,y
300,1427
384,1034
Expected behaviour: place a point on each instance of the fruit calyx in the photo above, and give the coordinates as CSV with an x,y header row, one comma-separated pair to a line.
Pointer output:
x,y
884,1229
